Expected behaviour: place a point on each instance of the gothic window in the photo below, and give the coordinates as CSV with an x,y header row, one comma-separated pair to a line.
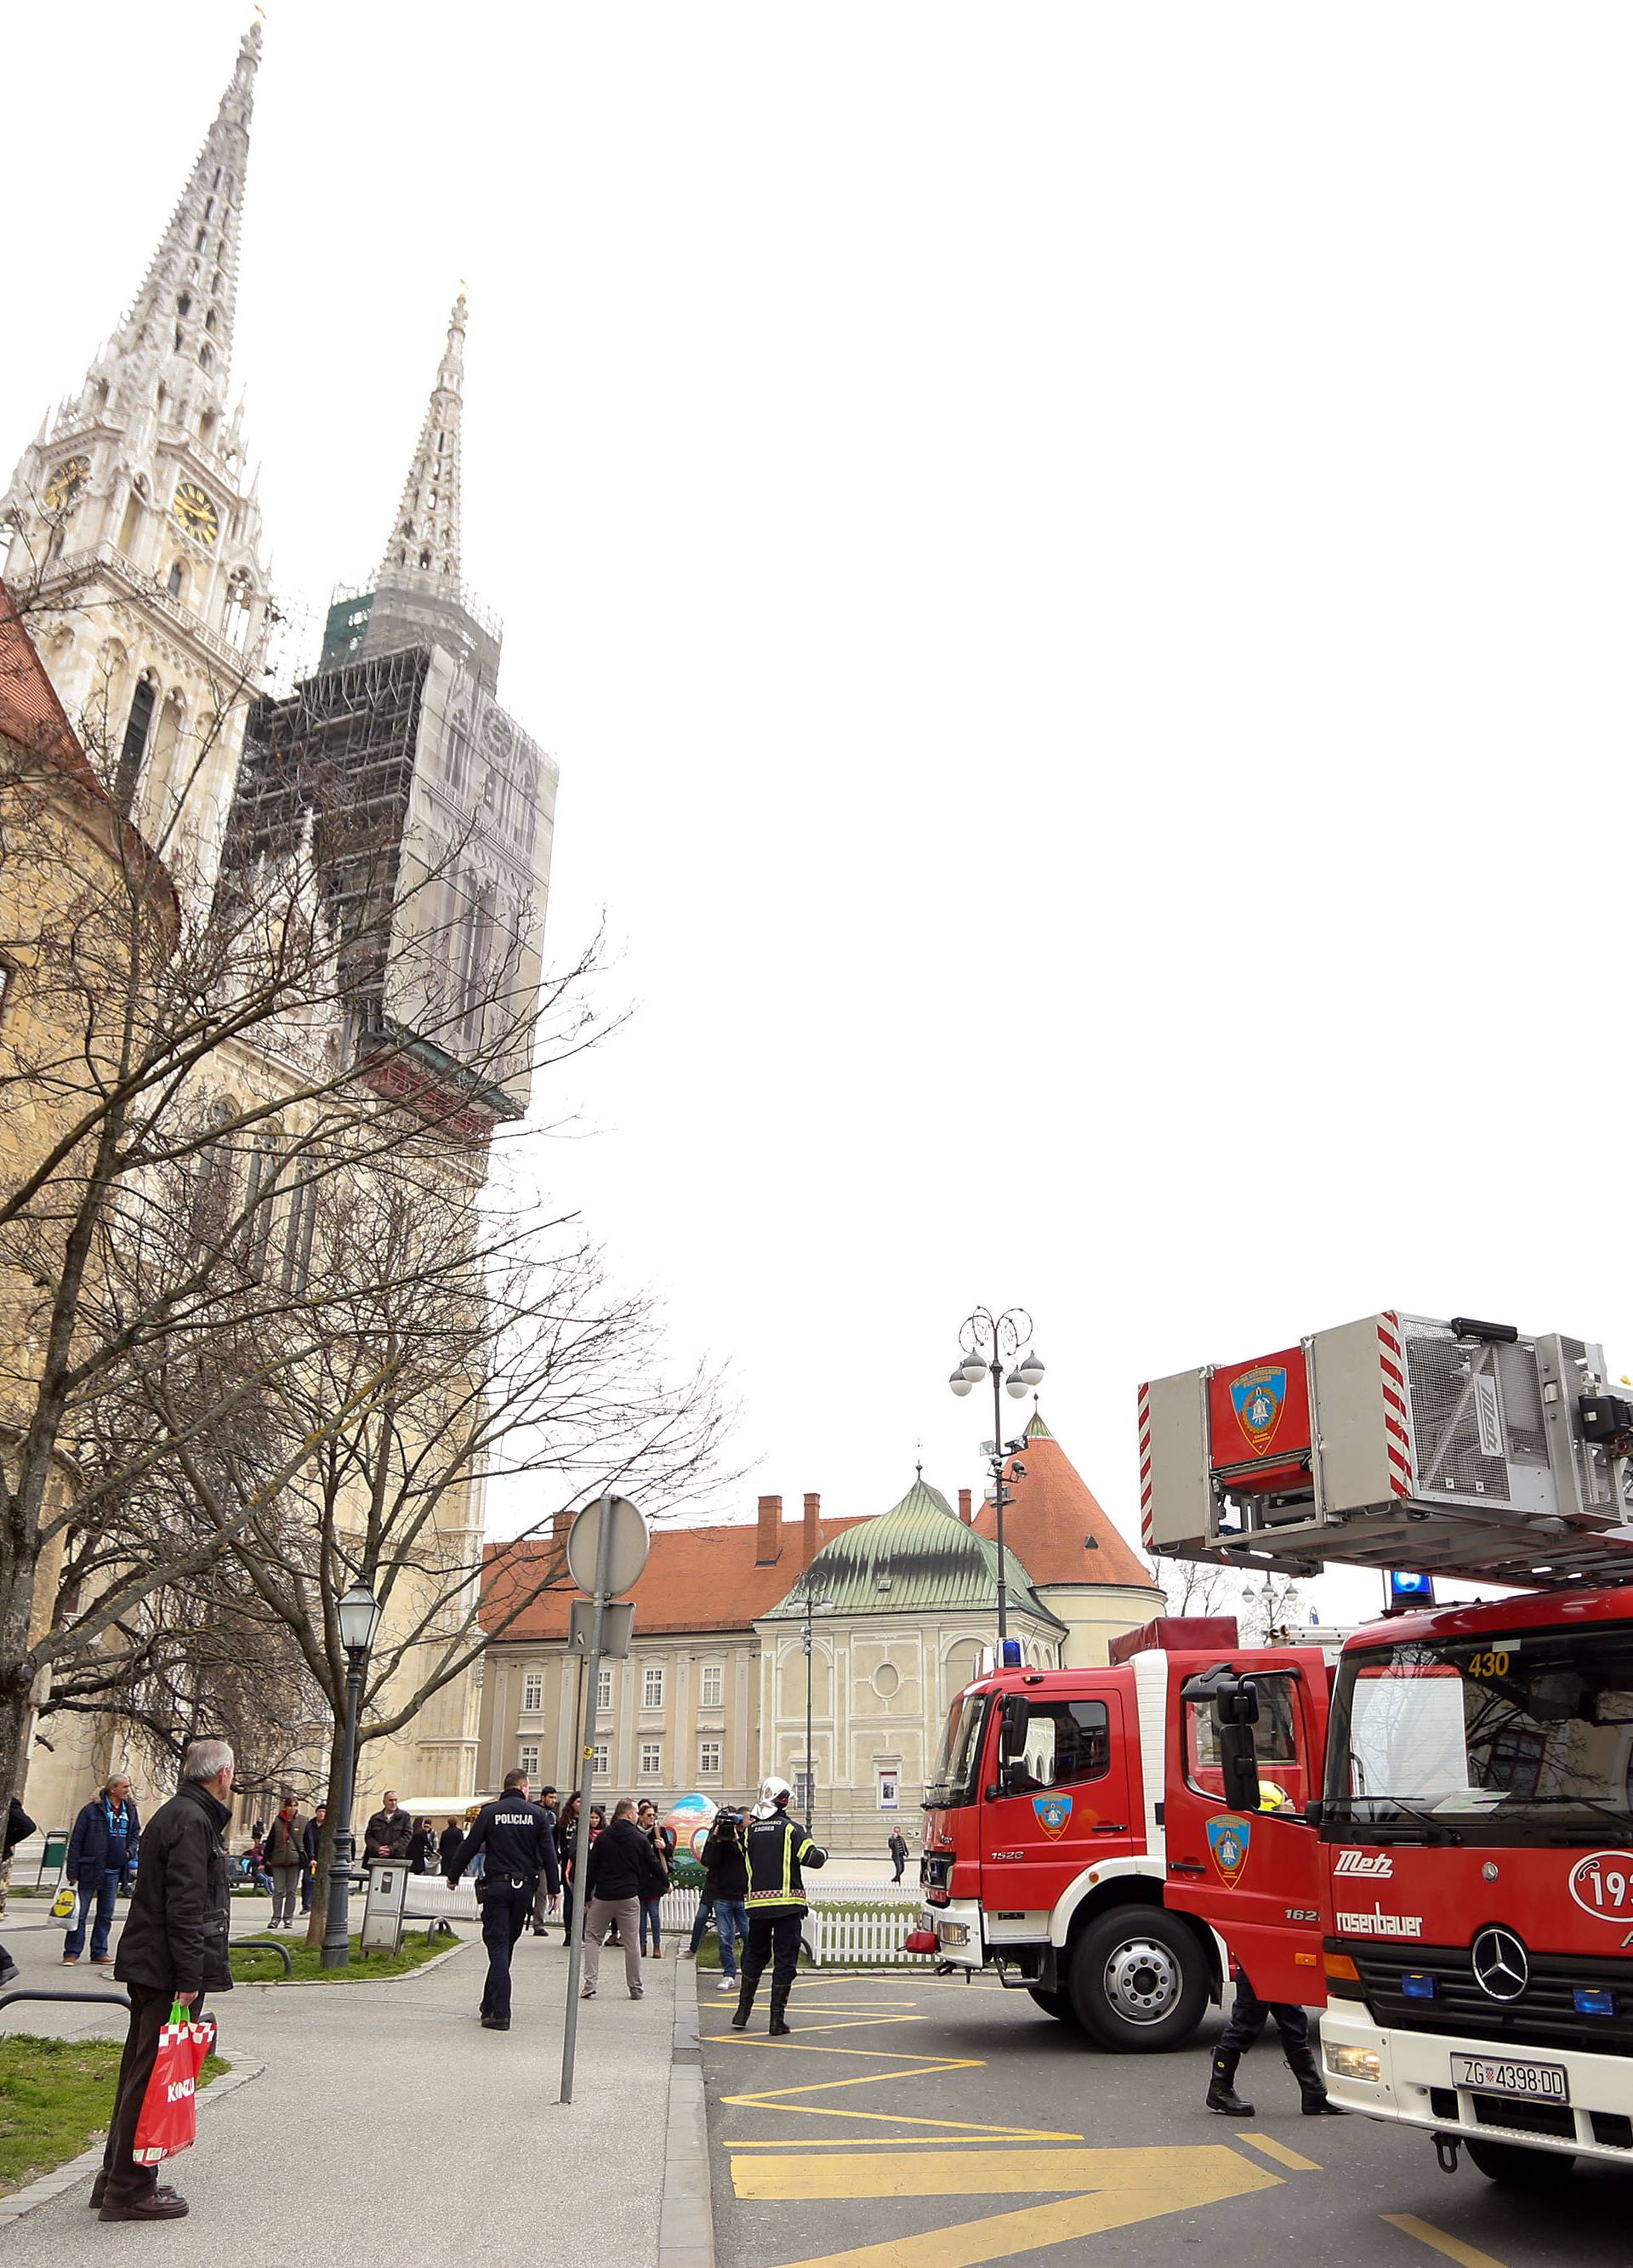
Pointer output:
x,y
300,1225
259,1199
459,748
138,724
425,559
176,581
198,241
206,356
241,610
184,305
210,320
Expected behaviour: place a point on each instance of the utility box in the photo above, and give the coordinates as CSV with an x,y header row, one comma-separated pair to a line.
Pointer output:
x,y
382,1910
1461,1447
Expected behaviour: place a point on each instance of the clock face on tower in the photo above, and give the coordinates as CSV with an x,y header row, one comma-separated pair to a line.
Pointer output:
x,y
195,513
65,484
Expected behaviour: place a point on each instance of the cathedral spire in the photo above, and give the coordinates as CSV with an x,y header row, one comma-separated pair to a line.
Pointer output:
x,y
423,548
186,304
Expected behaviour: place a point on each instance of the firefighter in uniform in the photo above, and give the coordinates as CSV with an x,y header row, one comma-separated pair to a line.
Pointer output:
x,y
776,1848
1249,2018
510,1832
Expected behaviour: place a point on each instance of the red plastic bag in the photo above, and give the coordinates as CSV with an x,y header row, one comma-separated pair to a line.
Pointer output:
x,y
169,2120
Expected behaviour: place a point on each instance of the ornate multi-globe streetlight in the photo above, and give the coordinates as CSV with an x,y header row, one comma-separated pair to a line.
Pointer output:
x,y
986,1343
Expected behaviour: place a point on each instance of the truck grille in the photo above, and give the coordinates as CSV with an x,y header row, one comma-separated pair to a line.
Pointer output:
x,y
1544,2016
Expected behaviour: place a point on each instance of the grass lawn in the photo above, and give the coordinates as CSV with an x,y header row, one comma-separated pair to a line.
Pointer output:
x,y
261,1966
55,2098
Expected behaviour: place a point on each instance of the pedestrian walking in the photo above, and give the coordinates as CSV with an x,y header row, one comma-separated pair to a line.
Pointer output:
x,y
549,1887
777,1848
567,1853
623,1869
388,1830
310,1844
19,1828
102,1856
1249,2018
285,1857
422,1843
662,1840
509,1833
448,1842
725,1874
898,1849
174,1947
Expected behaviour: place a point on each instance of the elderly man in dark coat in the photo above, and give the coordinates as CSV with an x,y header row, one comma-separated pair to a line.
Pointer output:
x,y
174,1947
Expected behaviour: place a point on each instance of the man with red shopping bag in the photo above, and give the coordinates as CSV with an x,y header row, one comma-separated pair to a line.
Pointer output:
x,y
173,1950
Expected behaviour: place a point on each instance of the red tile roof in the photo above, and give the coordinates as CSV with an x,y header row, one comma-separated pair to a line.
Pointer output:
x,y
30,712
1052,1518
696,1578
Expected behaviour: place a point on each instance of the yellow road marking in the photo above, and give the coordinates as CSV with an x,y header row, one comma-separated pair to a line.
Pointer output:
x,y
888,2142
1114,2189
1279,2151
1467,2256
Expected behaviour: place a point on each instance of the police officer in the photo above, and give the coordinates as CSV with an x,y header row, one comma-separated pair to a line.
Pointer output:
x,y
776,1848
510,1832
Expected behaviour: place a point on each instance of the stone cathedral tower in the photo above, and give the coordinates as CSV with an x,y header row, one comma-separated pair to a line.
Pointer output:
x,y
133,528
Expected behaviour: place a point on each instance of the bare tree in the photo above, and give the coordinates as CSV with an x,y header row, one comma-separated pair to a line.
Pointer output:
x,y
222,1134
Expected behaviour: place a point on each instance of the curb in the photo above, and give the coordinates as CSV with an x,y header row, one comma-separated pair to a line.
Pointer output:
x,y
318,1985
89,2163
686,2221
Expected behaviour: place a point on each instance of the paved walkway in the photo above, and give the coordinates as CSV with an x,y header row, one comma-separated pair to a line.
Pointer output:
x,y
385,2115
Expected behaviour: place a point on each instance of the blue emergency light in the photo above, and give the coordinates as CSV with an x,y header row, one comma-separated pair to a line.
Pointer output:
x,y
1416,1985
1011,1654
1403,1590
1594,2001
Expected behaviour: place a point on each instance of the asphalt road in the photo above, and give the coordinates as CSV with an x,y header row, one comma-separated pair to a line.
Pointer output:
x,y
912,2122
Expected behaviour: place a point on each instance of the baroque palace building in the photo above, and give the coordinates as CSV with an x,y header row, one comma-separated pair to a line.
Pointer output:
x,y
131,534
713,1694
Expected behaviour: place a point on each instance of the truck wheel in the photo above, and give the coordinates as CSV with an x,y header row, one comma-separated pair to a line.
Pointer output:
x,y
1053,2004
1520,2168
1139,1980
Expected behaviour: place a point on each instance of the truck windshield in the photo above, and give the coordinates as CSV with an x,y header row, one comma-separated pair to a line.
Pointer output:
x,y
956,1770
1521,1738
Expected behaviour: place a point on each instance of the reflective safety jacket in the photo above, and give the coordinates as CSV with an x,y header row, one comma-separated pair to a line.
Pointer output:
x,y
776,1848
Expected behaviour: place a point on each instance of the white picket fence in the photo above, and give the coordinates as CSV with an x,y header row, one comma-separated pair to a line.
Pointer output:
x,y
835,1931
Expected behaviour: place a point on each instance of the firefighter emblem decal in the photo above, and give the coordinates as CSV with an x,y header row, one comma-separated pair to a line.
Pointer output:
x,y
1229,1836
1259,1397
1053,1813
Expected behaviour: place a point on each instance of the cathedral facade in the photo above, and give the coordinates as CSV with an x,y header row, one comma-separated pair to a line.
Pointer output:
x,y
131,537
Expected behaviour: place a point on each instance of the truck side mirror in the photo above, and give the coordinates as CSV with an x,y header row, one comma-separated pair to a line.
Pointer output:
x,y
1012,1729
1239,1767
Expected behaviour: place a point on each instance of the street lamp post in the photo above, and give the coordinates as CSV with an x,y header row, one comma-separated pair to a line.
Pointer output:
x,y
813,1606
358,1615
986,1342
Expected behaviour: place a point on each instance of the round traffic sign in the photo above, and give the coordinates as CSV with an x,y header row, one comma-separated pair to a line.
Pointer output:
x,y
628,1544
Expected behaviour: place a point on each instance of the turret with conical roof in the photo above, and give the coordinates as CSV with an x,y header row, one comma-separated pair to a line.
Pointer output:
x,y
1082,1570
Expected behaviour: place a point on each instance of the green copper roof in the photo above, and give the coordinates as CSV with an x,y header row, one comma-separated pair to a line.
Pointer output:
x,y
1036,1430
916,1558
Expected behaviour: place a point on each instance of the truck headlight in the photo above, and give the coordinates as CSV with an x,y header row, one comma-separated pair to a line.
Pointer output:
x,y
1354,2063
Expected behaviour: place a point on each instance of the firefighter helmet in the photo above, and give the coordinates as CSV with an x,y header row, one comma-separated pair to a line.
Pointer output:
x,y
774,1790
1272,1795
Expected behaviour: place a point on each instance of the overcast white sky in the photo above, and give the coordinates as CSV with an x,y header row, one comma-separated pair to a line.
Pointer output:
x,y
1075,562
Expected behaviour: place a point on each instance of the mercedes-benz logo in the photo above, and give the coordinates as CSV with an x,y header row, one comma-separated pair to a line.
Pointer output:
x,y
1501,1967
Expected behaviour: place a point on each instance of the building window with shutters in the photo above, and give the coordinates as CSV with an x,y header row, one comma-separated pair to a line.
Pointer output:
x,y
600,1760
528,1758
532,1690
714,1685
652,1686
709,1760
651,1759
604,1688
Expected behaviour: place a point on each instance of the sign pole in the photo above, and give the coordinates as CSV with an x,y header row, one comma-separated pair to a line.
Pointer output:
x,y
586,1768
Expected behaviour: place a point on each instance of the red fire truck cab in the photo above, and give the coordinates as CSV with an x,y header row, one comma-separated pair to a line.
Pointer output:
x,y
1071,1808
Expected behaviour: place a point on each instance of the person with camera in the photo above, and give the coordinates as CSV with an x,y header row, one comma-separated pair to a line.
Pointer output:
x,y
726,1889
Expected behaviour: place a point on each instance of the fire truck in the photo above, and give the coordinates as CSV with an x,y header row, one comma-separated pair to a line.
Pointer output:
x,y
1067,1802
1454,1884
